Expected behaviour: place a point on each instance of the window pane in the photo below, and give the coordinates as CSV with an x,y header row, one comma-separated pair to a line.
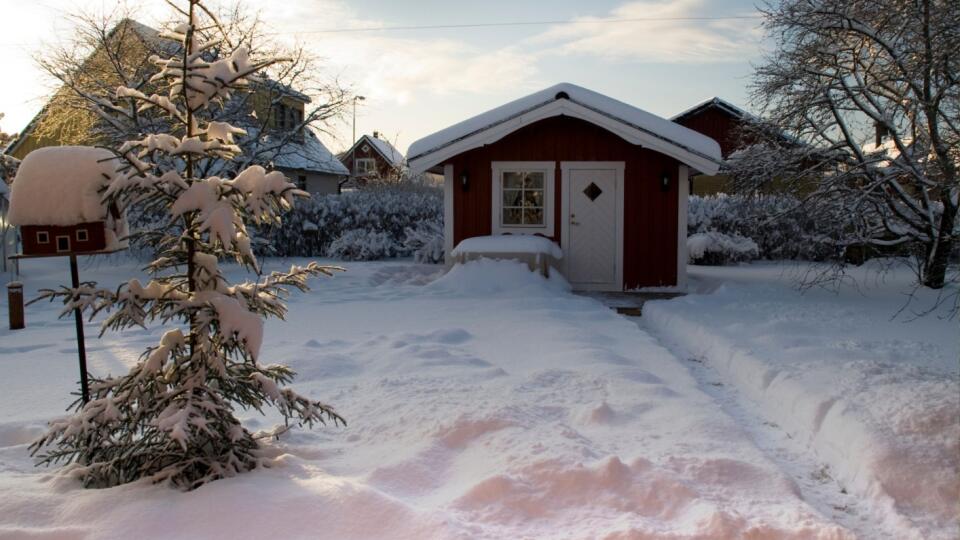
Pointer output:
x,y
533,216
512,197
512,180
533,180
512,216
533,197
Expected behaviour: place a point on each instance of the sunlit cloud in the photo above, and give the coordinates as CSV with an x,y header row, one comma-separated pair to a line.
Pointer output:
x,y
661,41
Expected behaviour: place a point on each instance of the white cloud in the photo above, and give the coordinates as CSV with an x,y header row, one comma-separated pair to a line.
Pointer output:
x,y
664,41
397,69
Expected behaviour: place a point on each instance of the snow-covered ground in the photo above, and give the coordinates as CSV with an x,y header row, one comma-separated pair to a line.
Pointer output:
x,y
491,403
872,391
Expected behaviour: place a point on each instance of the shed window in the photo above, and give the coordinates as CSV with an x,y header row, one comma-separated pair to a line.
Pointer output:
x,y
364,166
82,235
43,237
63,243
523,197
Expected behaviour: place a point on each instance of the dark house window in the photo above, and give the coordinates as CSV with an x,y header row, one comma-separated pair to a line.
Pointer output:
x,y
302,182
286,117
82,235
63,243
43,237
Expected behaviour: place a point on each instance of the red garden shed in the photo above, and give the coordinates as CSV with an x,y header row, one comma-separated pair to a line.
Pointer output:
x,y
606,181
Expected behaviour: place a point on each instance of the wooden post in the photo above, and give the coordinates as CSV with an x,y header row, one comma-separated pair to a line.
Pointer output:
x,y
81,347
15,304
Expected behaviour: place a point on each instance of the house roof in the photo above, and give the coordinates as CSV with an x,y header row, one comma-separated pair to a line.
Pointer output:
x,y
630,123
384,148
717,103
310,155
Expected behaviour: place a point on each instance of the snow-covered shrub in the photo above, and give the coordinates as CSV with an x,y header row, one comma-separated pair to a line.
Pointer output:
x,y
425,242
363,245
315,223
773,222
713,247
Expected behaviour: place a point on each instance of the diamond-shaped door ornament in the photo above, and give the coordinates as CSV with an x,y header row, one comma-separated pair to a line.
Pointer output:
x,y
592,191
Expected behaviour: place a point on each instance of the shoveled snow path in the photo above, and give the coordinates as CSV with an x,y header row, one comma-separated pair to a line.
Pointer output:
x,y
817,486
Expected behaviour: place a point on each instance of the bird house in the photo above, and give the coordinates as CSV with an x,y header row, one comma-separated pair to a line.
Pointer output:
x,y
57,201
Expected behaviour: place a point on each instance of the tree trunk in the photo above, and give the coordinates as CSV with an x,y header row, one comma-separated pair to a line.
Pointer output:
x,y
935,274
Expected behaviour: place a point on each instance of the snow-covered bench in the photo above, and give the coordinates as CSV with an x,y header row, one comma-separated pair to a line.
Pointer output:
x,y
537,252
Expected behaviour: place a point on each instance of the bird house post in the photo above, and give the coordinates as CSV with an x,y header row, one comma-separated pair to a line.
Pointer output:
x,y
56,200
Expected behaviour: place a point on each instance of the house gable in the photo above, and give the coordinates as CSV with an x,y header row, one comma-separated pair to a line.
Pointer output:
x,y
629,123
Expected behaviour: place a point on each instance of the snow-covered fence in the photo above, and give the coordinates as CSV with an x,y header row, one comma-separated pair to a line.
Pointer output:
x,y
365,224
724,226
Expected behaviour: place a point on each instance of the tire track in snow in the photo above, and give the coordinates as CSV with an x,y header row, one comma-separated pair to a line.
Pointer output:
x,y
817,485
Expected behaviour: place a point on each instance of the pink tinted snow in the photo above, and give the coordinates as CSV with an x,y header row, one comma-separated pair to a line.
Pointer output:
x,y
877,399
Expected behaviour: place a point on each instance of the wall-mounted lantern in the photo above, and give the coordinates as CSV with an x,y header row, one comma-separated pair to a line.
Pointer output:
x,y
465,180
665,181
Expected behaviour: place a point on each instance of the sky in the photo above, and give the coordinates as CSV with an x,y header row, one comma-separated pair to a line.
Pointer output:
x,y
419,80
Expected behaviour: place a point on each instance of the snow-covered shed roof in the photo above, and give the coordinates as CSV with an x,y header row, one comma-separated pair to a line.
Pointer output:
x,y
630,123
714,102
384,148
309,155
60,185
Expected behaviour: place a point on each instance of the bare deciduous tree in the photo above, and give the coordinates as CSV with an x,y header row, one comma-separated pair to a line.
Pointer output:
x,y
843,71
112,49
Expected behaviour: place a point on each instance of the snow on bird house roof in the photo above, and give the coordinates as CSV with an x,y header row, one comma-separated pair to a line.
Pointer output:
x,y
60,185
630,123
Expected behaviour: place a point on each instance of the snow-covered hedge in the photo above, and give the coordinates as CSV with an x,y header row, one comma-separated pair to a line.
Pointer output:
x,y
364,224
425,241
722,225
713,247
363,245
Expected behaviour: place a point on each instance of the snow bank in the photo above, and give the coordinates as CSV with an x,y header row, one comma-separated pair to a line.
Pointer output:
x,y
876,399
717,245
509,243
498,277
59,185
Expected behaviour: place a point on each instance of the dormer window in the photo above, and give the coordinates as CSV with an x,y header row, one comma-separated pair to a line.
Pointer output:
x,y
286,117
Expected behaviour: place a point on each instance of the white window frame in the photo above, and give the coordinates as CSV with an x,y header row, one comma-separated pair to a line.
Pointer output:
x,y
45,235
57,243
366,160
86,235
549,170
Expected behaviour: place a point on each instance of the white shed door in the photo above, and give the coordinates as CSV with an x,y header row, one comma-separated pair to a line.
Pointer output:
x,y
591,257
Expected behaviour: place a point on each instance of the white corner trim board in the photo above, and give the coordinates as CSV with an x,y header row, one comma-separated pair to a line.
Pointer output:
x,y
683,197
448,214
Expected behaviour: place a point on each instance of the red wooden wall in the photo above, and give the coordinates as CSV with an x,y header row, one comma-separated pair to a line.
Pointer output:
x,y
96,238
718,125
650,215
384,168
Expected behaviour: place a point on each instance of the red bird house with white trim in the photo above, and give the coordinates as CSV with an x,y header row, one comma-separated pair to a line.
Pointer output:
x,y
57,201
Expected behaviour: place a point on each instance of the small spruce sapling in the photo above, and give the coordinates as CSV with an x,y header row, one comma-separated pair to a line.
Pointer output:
x,y
171,418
